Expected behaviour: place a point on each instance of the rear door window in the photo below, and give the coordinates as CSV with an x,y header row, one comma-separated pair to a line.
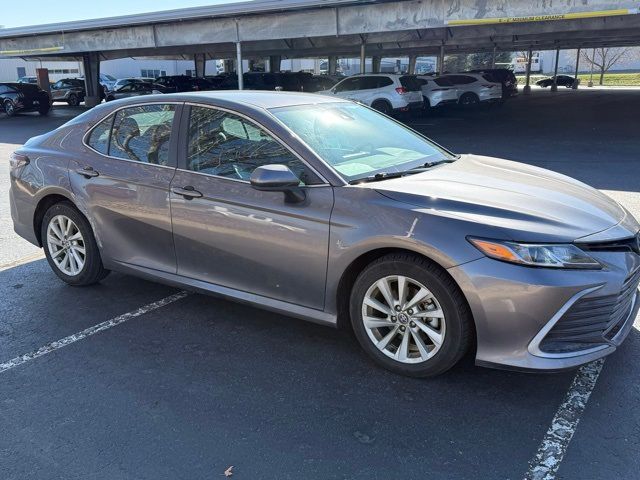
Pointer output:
x,y
143,133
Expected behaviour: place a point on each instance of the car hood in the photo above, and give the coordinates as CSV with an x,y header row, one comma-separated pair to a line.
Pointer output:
x,y
527,203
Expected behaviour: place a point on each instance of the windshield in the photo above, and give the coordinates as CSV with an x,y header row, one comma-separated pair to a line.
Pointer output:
x,y
357,141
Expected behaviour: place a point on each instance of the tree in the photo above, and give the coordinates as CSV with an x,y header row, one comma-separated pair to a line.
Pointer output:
x,y
476,61
605,58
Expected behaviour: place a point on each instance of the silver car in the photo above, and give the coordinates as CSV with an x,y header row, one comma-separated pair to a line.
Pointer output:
x,y
325,210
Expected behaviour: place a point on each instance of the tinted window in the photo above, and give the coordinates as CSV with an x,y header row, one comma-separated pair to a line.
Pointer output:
x,y
410,83
226,145
99,136
143,133
443,82
347,85
461,79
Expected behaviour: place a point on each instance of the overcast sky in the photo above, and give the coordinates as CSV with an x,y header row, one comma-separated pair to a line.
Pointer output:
x,y
37,12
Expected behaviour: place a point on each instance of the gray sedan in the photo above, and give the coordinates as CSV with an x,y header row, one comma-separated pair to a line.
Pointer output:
x,y
325,210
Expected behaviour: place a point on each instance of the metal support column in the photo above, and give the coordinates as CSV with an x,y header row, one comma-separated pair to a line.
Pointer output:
x,y
576,82
375,64
200,63
239,65
412,64
363,58
527,88
493,57
441,60
274,63
333,64
92,86
554,85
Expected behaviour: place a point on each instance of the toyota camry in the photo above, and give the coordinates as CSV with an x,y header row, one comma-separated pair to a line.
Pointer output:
x,y
326,210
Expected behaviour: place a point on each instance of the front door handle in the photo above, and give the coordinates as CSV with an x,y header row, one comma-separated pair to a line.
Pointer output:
x,y
187,192
87,172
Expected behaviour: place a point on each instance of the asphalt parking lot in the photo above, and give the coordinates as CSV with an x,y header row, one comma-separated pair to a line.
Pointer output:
x,y
190,388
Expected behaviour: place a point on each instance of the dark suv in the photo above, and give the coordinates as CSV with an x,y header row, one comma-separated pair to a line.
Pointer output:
x,y
23,97
70,90
287,81
181,83
504,76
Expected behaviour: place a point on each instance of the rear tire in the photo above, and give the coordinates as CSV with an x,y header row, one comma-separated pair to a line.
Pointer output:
x,y
84,266
440,322
73,100
44,111
382,106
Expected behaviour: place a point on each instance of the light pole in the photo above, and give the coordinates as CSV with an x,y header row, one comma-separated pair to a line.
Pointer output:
x,y
593,58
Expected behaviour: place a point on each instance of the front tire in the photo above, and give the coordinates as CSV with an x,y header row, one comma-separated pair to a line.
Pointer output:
x,y
469,99
410,316
9,108
70,247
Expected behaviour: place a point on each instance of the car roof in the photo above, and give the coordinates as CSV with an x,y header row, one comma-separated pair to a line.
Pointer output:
x,y
257,98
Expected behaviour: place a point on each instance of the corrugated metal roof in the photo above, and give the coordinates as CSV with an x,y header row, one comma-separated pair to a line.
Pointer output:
x,y
193,13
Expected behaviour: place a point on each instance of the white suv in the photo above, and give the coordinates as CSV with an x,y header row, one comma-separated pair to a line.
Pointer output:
x,y
385,92
474,88
437,91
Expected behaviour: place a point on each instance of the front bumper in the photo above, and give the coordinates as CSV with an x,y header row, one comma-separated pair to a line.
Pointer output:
x,y
514,308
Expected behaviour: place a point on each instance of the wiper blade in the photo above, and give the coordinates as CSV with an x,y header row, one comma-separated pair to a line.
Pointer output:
x,y
377,177
433,164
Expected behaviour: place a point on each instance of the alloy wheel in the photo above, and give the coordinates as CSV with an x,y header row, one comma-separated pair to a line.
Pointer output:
x,y
9,108
66,245
403,319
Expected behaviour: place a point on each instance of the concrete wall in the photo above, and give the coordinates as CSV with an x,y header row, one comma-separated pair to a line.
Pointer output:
x,y
9,69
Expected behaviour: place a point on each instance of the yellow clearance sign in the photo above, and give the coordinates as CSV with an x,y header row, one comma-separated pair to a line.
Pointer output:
x,y
543,18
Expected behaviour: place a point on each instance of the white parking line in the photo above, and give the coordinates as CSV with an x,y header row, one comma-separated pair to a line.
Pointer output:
x,y
21,261
87,332
554,444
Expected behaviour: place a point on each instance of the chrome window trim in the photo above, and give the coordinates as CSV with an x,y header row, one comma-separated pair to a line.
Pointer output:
x,y
534,345
270,132
114,112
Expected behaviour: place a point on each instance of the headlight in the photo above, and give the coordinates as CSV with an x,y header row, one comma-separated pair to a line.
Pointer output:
x,y
536,255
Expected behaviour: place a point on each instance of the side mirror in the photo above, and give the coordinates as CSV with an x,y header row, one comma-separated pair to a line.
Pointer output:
x,y
278,178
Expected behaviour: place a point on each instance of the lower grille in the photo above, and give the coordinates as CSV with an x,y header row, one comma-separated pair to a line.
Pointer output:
x,y
592,321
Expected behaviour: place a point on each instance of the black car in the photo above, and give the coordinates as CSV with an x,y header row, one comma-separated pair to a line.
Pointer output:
x,y
131,89
23,97
562,81
181,83
317,83
503,76
287,81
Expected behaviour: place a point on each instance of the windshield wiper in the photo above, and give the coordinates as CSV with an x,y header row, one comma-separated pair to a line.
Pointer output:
x,y
433,164
387,175
377,177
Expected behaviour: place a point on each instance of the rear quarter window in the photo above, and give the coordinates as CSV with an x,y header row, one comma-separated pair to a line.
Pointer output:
x,y
410,83
99,137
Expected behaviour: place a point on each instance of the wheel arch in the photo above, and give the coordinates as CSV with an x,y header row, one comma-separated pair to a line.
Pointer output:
x,y
351,272
41,208
382,100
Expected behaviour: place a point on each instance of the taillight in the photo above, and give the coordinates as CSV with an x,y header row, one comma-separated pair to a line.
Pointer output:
x,y
401,90
17,160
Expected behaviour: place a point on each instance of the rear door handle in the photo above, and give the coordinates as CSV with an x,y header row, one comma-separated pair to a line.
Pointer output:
x,y
87,172
187,192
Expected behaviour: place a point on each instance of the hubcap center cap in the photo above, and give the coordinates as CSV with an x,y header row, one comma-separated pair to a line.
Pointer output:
x,y
403,318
